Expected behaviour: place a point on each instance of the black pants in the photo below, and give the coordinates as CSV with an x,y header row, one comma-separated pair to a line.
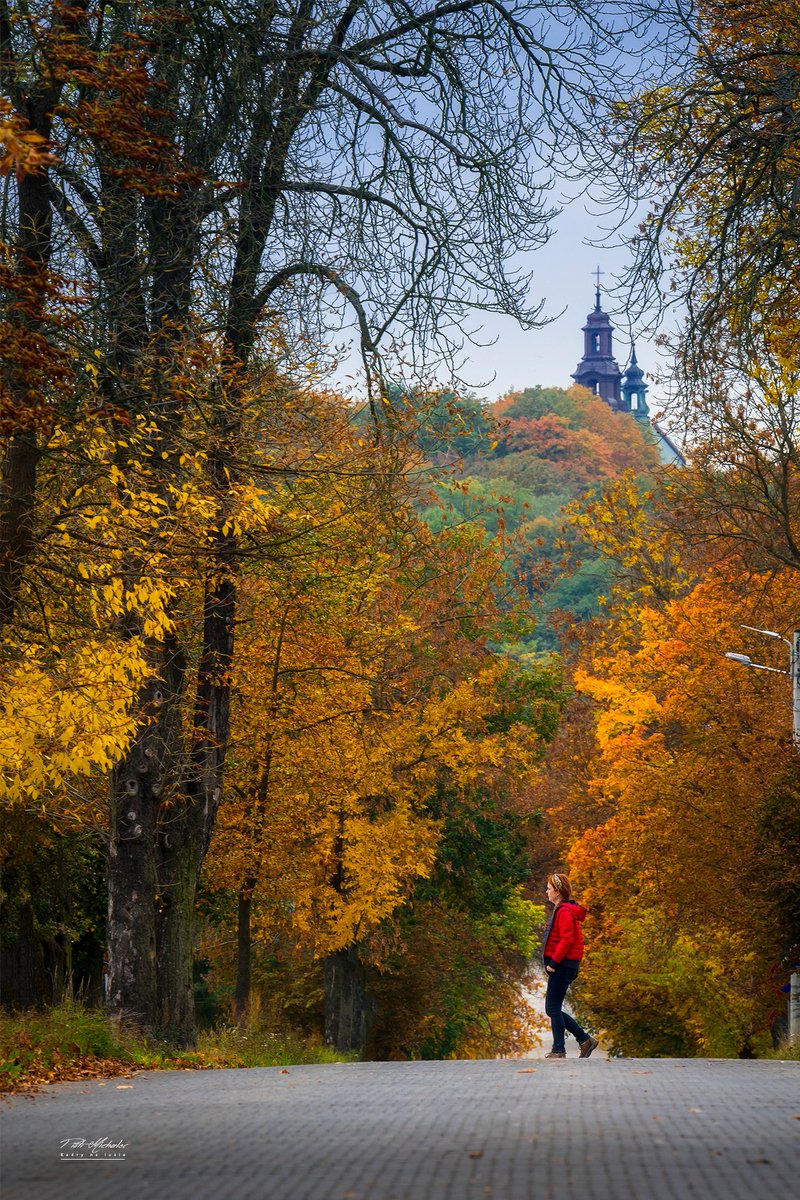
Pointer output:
x,y
557,983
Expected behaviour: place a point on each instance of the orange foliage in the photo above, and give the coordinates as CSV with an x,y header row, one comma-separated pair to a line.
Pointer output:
x,y
681,876
22,150
578,445
363,679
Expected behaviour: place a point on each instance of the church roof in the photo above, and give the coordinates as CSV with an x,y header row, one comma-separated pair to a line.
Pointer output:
x,y
668,451
597,316
633,372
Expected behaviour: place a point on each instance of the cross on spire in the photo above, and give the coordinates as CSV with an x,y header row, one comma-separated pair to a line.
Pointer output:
x,y
598,273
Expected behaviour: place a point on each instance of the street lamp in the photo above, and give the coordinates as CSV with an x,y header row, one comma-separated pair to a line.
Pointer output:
x,y
793,672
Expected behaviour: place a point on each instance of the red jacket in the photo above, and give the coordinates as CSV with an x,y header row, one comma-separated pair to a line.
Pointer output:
x,y
563,937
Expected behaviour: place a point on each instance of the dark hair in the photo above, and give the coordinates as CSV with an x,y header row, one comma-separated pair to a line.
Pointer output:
x,y
561,884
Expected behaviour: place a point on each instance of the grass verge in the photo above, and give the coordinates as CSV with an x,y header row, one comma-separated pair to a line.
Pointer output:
x,y
786,1052
72,1042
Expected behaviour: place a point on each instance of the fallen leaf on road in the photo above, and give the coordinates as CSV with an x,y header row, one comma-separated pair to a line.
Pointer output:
x,y
476,1154
284,1071
122,1086
527,1071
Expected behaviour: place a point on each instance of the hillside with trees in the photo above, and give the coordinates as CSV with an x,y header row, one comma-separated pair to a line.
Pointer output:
x,y
519,465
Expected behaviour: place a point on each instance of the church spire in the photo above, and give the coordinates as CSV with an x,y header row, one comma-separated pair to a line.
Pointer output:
x,y
598,369
634,389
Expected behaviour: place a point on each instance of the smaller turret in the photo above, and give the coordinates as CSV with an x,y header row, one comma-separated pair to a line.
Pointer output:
x,y
634,389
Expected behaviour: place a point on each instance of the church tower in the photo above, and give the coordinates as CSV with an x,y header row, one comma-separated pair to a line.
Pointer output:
x,y
634,389
598,369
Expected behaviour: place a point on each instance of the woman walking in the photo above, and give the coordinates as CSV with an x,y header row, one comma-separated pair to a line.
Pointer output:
x,y
563,951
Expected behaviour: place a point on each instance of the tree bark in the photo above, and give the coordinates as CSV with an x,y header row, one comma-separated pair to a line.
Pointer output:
x,y
26,404
185,827
136,786
17,499
178,868
349,1009
241,1000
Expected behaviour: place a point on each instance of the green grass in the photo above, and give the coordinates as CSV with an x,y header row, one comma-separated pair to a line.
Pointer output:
x,y
787,1052
253,1046
72,1042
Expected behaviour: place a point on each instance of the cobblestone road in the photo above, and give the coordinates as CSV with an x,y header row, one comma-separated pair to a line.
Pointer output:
x,y
508,1130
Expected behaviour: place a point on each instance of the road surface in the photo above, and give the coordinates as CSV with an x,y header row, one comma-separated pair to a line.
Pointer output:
x,y
595,1129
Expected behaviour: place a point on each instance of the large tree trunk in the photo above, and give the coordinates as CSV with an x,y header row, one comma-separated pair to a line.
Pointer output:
x,y
147,776
349,1009
26,401
185,828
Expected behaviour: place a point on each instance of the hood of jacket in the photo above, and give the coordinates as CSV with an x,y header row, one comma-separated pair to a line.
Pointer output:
x,y
580,911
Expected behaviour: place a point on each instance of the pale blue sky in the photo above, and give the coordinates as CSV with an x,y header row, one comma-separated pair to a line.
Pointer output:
x,y
563,277
583,238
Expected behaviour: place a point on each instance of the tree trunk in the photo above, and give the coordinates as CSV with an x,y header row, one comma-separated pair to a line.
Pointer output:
x,y
185,828
241,1000
136,785
349,1010
22,974
17,498
29,399
178,868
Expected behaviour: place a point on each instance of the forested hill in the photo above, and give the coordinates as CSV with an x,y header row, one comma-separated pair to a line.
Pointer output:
x,y
516,464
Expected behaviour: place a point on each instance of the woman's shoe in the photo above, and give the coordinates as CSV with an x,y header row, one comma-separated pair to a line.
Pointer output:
x,y
557,1054
588,1046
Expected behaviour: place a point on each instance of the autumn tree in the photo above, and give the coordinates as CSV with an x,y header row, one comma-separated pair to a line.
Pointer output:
x,y
716,148
213,167
684,876
36,371
674,813
544,449
568,441
713,153
364,682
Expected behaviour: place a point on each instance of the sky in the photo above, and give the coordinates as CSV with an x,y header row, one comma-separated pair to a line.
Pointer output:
x,y
563,275
505,357
502,357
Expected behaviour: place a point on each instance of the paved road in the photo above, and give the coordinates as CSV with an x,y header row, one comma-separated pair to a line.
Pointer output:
x,y
508,1130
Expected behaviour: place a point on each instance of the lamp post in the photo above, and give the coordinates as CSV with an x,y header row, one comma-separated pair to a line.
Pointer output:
x,y
793,672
